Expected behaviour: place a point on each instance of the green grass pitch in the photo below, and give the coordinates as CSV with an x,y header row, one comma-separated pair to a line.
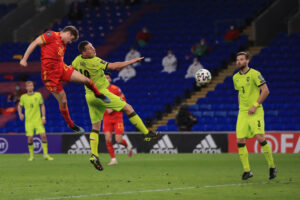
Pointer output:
x,y
147,176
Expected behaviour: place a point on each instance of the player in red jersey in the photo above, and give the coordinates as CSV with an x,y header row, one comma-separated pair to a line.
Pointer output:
x,y
113,121
54,70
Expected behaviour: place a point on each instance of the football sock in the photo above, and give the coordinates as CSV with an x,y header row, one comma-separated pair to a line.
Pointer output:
x,y
66,115
30,148
268,154
94,141
92,87
110,149
45,148
138,123
243,153
124,143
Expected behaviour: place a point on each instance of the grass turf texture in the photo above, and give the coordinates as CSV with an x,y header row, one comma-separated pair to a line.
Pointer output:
x,y
179,176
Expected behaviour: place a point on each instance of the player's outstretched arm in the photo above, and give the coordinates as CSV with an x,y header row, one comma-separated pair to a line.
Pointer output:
x,y
29,50
21,116
121,65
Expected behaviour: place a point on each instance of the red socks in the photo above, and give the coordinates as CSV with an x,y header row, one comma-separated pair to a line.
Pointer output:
x,y
124,143
92,87
110,149
66,115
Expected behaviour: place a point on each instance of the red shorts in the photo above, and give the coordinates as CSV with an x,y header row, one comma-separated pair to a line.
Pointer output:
x,y
115,125
53,75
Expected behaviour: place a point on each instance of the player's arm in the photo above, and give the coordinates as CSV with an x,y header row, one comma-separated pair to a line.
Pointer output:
x,y
264,93
121,65
262,97
29,50
21,116
43,109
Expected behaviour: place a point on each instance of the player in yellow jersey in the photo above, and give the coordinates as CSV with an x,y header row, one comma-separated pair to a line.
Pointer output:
x,y
93,67
252,91
33,104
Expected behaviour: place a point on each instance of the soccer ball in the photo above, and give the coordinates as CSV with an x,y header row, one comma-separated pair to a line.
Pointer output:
x,y
202,77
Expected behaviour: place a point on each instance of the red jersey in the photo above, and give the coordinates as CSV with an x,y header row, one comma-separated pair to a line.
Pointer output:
x,y
115,114
52,50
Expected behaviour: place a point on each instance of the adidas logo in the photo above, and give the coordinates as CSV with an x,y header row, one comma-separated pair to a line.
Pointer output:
x,y
120,149
207,145
164,145
81,146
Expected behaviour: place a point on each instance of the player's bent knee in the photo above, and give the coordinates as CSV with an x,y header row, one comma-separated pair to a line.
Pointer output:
x,y
128,109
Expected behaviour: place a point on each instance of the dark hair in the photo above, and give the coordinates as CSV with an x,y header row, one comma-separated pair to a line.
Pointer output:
x,y
243,53
107,73
81,45
73,30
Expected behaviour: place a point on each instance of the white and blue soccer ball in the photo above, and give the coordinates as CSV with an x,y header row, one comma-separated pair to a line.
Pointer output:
x,y
202,77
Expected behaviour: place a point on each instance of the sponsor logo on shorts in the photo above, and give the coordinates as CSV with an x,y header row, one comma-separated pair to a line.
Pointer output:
x,y
207,145
3,145
164,146
81,146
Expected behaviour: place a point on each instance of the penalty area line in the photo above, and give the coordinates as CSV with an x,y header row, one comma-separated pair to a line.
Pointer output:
x,y
160,190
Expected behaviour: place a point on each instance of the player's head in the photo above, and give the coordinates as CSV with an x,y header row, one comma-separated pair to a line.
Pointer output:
x,y
108,76
170,53
195,60
69,34
242,60
86,49
29,86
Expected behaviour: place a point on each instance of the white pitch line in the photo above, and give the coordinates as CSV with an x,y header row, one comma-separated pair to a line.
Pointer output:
x,y
160,190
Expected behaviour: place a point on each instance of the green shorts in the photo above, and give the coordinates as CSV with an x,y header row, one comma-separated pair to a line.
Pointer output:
x,y
30,128
97,106
248,126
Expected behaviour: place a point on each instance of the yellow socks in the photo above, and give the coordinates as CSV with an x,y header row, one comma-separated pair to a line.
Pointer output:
x,y
45,148
94,140
268,154
243,153
138,123
30,148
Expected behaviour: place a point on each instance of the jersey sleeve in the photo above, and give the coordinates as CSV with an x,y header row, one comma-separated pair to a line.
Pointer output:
x,y
48,37
259,79
103,64
41,100
21,103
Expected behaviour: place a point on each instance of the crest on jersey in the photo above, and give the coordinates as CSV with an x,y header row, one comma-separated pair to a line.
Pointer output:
x,y
261,78
48,34
82,63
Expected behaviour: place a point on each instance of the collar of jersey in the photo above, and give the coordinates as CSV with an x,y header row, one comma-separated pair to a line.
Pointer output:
x,y
245,72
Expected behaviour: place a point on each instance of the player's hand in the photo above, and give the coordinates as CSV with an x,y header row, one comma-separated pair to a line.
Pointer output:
x,y
252,110
136,60
21,117
44,121
23,63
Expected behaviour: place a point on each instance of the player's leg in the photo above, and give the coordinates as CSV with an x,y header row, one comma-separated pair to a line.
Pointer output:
x,y
242,131
29,129
119,130
138,123
108,129
96,114
45,145
30,147
258,127
61,97
79,78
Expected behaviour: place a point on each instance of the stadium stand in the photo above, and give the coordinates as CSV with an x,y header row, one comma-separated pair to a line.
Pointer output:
x,y
176,26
